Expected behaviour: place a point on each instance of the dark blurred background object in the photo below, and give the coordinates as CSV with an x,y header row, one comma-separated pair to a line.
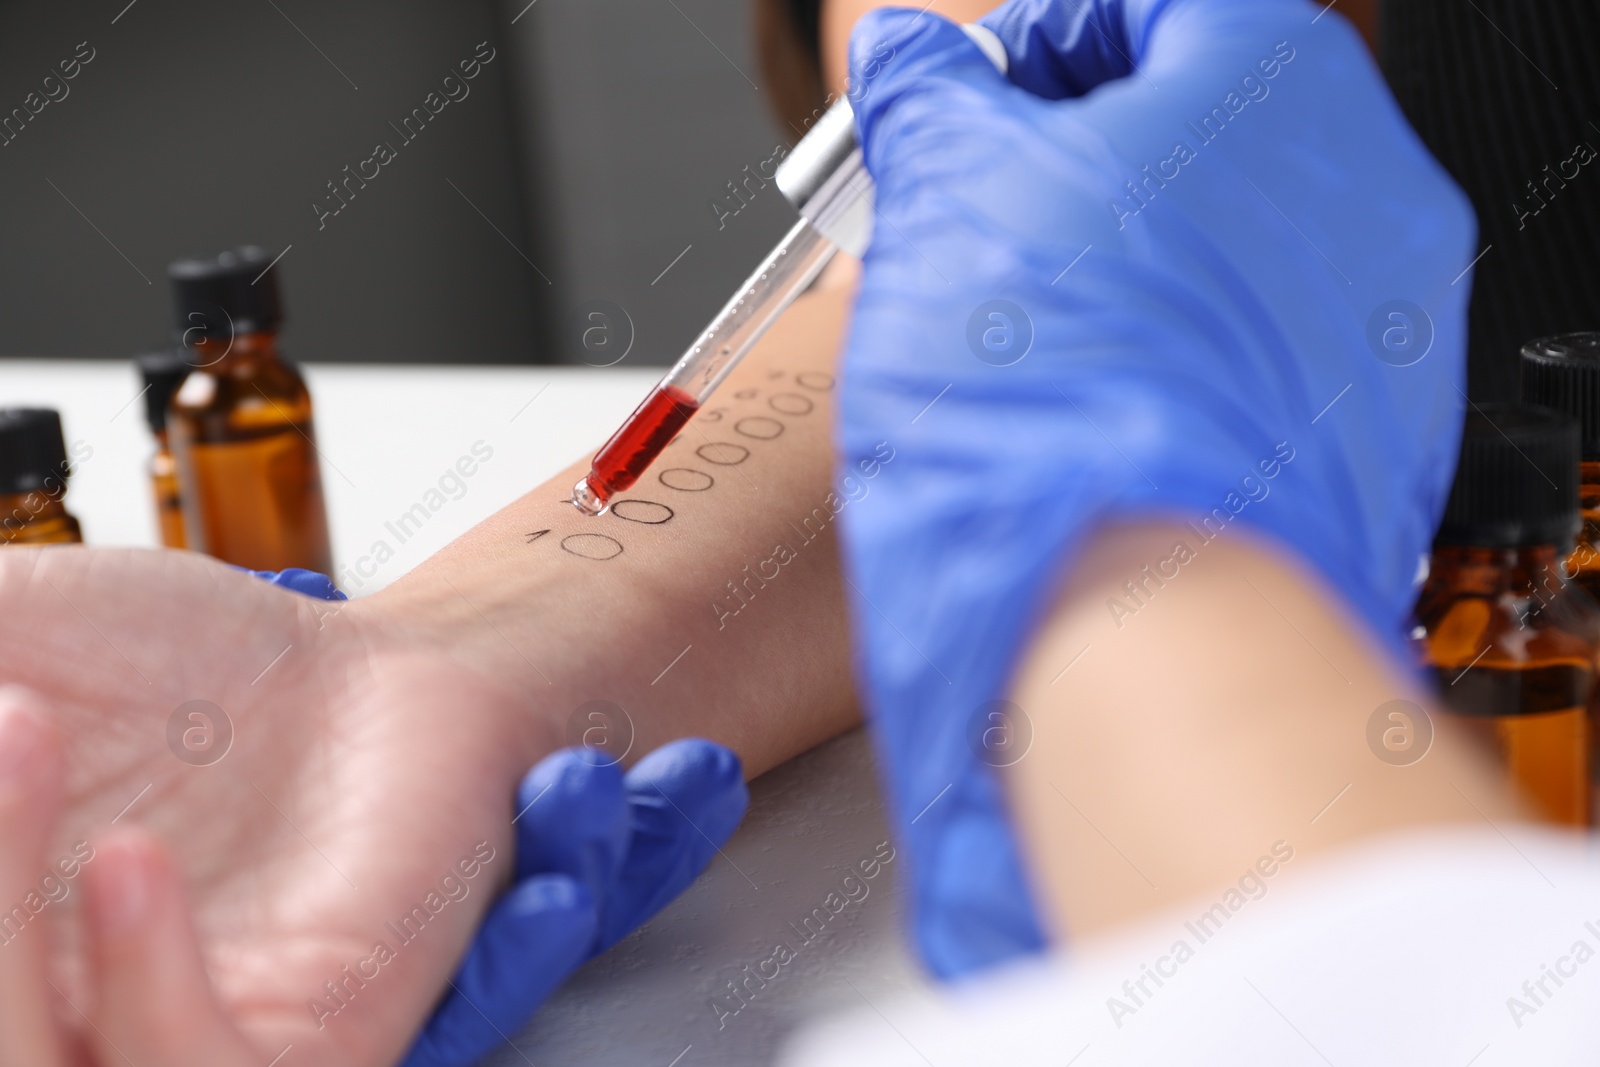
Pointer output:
x,y
1507,95
574,175
34,469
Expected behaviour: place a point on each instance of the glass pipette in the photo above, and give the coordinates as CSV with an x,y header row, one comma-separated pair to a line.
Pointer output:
x,y
784,275
827,182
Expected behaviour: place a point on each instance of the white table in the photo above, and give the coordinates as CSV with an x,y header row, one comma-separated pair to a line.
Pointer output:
x,y
386,435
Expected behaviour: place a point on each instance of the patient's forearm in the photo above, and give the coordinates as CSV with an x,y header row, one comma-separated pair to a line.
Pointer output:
x,y
706,602
1226,714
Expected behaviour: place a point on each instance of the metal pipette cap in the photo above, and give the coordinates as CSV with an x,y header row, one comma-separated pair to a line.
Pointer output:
x,y
825,178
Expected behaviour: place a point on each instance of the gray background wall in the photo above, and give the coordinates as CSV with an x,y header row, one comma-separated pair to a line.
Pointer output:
x,y
637,113
586,153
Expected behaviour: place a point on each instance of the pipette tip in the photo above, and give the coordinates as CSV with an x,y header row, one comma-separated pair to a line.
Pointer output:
x,y
586,500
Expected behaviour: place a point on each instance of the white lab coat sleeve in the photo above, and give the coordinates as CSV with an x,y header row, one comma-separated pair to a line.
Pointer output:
x,y
1471,946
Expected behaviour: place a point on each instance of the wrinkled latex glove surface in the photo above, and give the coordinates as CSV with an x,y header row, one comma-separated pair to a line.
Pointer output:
x,y
598,853
1185,259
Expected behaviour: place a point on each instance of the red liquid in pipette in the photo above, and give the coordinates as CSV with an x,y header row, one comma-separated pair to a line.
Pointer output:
x,y
641,439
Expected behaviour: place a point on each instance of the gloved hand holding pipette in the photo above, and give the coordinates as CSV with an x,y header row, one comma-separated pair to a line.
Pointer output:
x,y
1133,278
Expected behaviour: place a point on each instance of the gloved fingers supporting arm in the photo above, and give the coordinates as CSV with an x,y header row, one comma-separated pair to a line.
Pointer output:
x,y
597,855
635,842
684,800
534,937
300,580
572,819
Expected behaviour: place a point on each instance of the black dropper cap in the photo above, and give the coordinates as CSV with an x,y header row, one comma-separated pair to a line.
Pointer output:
x,y
1517,480
163,372
224,296
32,450
1563,373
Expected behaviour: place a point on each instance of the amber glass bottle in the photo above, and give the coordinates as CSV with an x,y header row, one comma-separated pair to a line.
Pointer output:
x,y
163,372
1510,639
33,479
240,425
1563,373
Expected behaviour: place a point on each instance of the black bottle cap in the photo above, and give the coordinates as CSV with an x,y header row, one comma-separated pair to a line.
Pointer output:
x,y
33,453
221,297
1517,480
163,372
1563,373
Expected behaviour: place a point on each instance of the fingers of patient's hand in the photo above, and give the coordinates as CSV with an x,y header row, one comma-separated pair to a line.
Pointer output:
x,y
30,803
153,999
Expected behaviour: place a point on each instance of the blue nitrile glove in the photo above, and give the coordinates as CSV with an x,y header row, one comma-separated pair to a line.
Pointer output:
x,y
300,580
1079,307
598,853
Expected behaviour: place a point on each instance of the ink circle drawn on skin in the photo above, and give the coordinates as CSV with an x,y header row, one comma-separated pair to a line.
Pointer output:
x,y
719,452
646,511
602,731
759,426
686,479
999,332
791,404
199,733
815,379
999,733
592,545
1399,732
747,394
1400,333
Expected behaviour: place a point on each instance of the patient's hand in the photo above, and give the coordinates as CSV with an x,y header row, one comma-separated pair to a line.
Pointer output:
x,y
362,801
376,744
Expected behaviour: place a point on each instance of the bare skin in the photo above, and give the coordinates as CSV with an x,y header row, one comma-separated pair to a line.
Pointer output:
x,y
148,998
839,17
377,744
1221,718
566,629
